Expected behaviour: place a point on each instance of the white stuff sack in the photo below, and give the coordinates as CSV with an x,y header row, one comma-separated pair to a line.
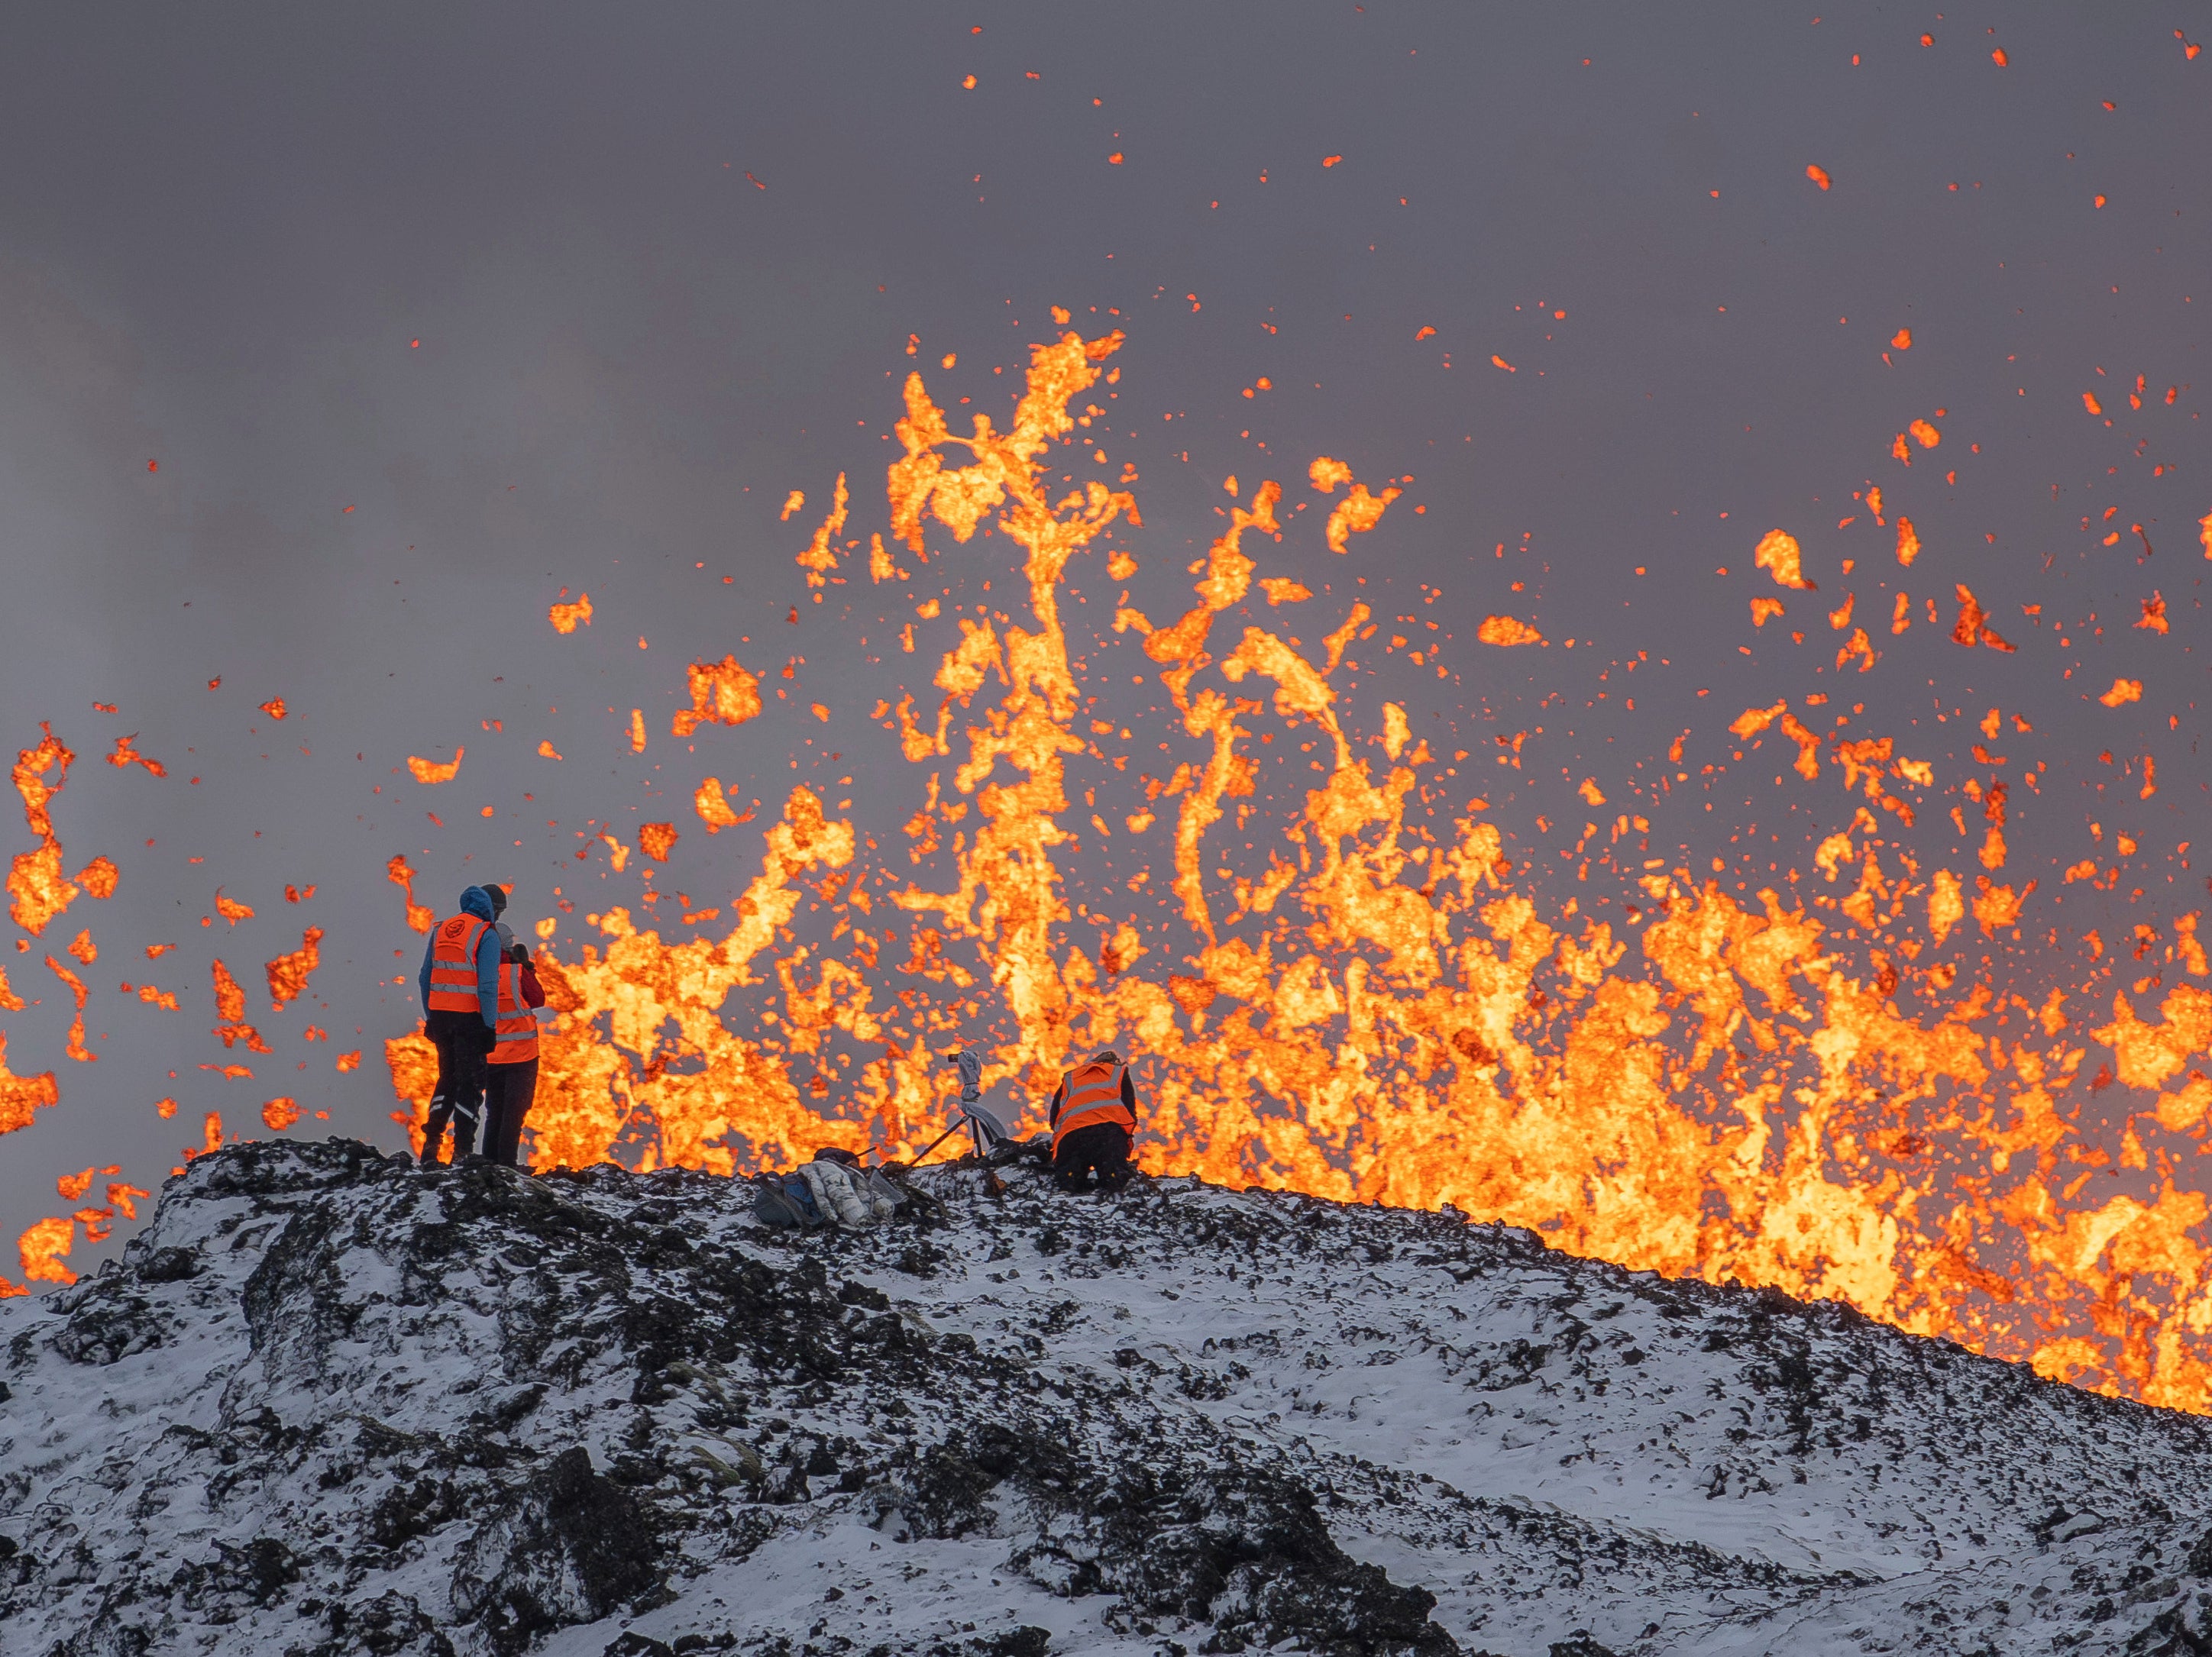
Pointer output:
x,y
835,1195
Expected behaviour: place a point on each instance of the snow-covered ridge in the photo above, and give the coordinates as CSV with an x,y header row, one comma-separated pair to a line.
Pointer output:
x,y
332,1404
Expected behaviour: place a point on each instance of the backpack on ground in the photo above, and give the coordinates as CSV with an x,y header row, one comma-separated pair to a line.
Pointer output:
x,y
833,1189
852,1196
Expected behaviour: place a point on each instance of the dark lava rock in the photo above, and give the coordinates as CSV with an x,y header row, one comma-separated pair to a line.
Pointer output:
x,y
1247,1550
1579,1644
631,1643
107,1324
258,1572
165,1265
568,1547
1024,1641
336,1405
390,1625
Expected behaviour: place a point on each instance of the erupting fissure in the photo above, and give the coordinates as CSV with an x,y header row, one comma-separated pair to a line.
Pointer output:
x,y
1365,1007
1380,1014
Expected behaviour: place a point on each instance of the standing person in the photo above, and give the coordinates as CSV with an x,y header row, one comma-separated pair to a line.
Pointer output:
x,y
460,998
511,1075
1094,1120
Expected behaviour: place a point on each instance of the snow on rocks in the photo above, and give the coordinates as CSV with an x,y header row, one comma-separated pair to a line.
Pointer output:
x,y
332,1404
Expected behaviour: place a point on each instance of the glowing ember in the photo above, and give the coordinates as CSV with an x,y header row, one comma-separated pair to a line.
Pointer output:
x,y
1505,630
20,1095
419,918
41,1249
1778,553
125,754
76,1049
230,1009
430,771
1908,543
722,693
714,809
1357,513
36,885
287,974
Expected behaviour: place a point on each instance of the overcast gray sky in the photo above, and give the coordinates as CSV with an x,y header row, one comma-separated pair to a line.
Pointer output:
x,y
335,342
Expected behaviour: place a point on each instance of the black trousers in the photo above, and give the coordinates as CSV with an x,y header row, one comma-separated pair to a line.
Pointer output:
x,y
1103,1146
509,1089
463,1039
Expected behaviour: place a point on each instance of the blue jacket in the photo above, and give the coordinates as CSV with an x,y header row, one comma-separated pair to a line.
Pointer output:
x,y
475,901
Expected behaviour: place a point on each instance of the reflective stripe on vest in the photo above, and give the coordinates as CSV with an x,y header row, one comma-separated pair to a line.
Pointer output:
x,y
1093,1095
516,1032
453,963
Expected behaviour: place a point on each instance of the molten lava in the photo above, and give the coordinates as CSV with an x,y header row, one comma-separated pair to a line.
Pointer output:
x,y
1340,971
1368,1009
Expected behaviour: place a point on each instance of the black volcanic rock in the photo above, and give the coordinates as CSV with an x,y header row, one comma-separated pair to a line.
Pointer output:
x,y
334,1406
566,1546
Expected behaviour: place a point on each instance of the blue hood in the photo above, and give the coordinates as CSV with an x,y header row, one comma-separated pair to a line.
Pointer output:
x,y
477,901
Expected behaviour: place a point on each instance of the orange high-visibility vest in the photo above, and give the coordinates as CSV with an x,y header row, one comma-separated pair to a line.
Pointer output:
x,y
1093,1094
453,963
516,1033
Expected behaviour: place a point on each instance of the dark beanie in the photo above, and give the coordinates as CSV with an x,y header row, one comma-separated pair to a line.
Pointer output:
x,y
498,895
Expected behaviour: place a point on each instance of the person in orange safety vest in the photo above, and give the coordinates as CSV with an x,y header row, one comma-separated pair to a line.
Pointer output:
x,y
511,1072
459,983
1094,1120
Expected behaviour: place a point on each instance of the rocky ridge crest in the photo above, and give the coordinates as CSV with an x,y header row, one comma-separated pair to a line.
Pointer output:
x,y
334,1406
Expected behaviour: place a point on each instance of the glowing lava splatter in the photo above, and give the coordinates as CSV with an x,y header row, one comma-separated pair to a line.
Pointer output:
x,y
1341,975
1368,1009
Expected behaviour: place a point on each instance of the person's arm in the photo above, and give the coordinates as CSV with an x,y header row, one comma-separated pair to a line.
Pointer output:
x,y
1129,1091
1053,1119
532,995
488,977
429,948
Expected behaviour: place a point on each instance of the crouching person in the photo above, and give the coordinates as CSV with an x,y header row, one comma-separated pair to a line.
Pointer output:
x,y
511,1072
1094,1123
